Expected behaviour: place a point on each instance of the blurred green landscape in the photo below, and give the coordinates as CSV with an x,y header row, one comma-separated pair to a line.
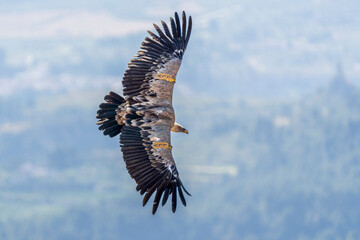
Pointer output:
x,y
269,90
256,169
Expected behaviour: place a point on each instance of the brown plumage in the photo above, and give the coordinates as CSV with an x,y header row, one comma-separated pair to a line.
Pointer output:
x,y
145,118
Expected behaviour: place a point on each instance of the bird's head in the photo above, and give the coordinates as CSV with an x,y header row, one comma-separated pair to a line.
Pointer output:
x,y
178,128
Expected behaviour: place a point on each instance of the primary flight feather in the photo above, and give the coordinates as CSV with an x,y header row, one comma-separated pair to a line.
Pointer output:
x,y
145,116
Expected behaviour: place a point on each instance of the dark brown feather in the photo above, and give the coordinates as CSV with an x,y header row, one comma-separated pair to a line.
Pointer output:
x,y
173,201
183,25
178,29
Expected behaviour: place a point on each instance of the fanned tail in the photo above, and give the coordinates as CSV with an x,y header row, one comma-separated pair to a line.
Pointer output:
x,y
106,114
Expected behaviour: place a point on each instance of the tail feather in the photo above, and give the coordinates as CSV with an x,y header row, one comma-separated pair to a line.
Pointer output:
x,y
106,115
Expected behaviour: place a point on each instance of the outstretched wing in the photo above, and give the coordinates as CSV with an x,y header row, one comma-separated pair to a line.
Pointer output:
x,y
151,164
152,72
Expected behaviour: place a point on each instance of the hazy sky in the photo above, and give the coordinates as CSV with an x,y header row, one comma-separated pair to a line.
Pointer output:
x,y
294,46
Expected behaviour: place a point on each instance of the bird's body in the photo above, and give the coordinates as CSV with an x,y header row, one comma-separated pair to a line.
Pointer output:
x,y
146,117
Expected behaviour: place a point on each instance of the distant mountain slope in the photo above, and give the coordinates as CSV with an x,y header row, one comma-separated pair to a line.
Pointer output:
x,y
339,91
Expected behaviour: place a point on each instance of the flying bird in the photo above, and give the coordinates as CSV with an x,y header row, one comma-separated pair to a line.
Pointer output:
x,y
145,117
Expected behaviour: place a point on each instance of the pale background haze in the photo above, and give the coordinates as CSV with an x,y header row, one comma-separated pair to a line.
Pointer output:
x,y
269,91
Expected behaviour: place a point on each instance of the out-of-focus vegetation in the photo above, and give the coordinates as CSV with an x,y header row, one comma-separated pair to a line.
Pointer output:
x,y
257,170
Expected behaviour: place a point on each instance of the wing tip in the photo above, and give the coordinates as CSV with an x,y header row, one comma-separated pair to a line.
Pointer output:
x,y
180,34
164,191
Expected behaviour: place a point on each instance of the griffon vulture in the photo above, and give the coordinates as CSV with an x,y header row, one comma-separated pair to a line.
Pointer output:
x,y
145,117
